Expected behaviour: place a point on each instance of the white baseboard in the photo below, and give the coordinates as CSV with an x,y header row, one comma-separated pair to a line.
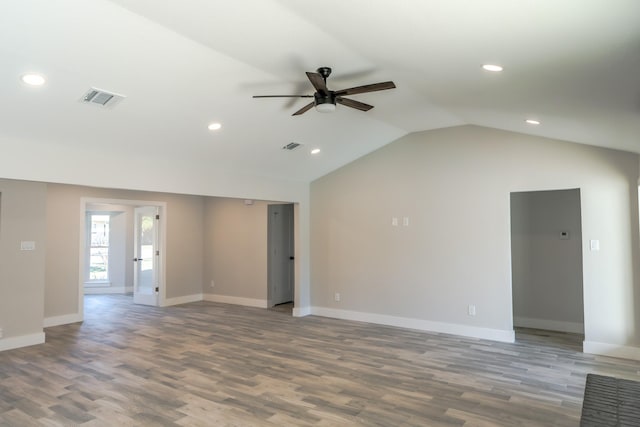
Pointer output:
x,y
10,343
612,350
62,320
419,324
549,325
108,290
226,299
182,300
301,312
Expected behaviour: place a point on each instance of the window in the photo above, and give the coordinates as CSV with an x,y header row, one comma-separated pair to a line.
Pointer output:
x,y
98,235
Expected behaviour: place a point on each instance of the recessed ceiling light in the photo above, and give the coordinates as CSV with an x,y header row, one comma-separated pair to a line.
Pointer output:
x,y
315,151
492,67
214,126
532,121
33,79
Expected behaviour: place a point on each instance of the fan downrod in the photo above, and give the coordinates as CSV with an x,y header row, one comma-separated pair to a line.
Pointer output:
x,y
324,72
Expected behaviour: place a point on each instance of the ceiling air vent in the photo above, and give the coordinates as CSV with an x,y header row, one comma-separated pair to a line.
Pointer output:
x,y
291,146
101,97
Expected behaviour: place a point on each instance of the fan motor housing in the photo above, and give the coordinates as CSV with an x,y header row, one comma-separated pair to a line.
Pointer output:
x,y
329,98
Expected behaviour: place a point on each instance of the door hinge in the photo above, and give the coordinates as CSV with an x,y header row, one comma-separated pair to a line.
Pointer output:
x,y
157,289
157,216
157,253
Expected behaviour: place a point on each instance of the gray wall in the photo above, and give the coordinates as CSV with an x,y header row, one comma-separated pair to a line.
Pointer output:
x,y
236,249
547,270
454,186
35,286
22,273
183,252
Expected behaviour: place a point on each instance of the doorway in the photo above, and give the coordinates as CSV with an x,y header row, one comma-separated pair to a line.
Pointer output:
x,y
546,260
140,239
280,256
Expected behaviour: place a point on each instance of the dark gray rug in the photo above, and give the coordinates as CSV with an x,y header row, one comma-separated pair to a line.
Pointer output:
x,y
610,401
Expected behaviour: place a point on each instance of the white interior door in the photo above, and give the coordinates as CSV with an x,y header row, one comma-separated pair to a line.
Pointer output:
x,y
146,256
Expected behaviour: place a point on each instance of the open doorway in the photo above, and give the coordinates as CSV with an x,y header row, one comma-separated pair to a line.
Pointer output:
x,y
280,256
546,261
122,242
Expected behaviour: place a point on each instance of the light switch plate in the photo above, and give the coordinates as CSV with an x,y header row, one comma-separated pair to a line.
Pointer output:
x,y
472,310
27,246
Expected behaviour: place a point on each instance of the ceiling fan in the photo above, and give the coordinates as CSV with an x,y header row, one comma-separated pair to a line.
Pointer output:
x,y
325,100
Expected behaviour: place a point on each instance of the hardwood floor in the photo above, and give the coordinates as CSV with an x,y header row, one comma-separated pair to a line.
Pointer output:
x,y
209,364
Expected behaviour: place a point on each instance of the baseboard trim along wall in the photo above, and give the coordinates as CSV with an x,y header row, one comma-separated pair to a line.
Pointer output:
x,y
108,290
301,312
419,324
10,343
226,299
182,300
62,320
549,325
612,350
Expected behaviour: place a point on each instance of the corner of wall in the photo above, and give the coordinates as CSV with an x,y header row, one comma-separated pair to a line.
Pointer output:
x,y
302,311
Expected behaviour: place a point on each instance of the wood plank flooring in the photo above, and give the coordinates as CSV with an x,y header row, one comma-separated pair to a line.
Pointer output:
x,y
209,364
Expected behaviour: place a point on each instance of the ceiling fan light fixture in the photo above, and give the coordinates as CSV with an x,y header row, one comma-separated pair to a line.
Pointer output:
x,y
325,99
326,108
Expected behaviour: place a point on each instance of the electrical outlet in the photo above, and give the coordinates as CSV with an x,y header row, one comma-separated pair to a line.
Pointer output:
x,y
0,332
472,310
337,296
213,285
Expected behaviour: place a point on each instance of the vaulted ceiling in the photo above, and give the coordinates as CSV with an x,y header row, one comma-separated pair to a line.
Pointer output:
x,y
574,65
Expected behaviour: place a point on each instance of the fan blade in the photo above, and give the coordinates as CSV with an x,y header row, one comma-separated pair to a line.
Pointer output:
x,y
366,88
304,109
318,82
282,96
354,104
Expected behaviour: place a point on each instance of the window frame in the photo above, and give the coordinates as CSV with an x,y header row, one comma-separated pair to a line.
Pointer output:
x,y
88,281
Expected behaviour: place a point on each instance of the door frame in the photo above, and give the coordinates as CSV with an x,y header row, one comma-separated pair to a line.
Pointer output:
x,y
293,262
162,242
580,210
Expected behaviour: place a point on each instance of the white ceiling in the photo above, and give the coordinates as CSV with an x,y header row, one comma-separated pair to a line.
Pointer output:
x,y
572,64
